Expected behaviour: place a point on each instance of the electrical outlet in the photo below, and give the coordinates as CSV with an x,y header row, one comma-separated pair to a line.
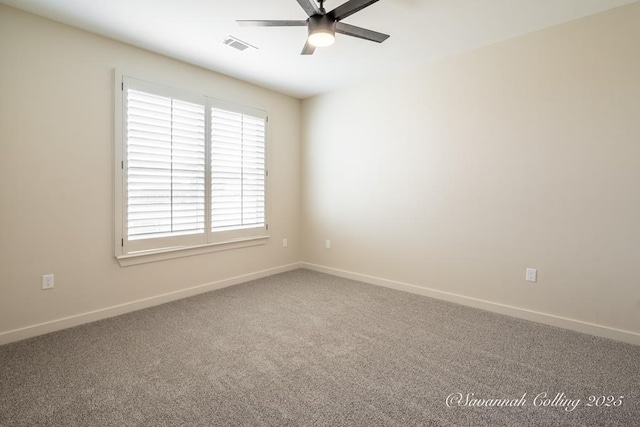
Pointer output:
x,y
47,281
531,275
285,243
327,244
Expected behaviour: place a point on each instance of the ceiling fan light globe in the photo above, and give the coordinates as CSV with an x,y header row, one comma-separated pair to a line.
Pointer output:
x,y
322,38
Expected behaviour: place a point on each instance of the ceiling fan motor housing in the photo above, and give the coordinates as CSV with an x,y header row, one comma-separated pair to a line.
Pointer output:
x,y
322,24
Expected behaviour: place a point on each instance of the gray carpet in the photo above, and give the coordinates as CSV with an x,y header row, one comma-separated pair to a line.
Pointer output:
x,y
304,348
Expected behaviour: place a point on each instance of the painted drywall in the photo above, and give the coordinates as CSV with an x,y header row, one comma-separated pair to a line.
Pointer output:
x,y
57,178
458,175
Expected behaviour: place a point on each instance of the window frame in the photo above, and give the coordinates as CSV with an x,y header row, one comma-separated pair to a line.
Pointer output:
x,y
148,250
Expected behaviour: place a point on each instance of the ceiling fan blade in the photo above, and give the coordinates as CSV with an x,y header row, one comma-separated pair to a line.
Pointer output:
x,y
308,49
362,33
262,23
349,8
310,7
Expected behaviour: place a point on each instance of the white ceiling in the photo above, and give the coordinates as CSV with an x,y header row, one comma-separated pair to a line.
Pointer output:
x,y
421,31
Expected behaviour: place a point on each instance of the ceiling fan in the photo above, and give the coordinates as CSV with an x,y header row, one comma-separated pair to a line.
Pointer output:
x,y
323,25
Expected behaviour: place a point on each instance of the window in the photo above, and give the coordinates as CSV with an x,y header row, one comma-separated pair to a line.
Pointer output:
x,y
192,171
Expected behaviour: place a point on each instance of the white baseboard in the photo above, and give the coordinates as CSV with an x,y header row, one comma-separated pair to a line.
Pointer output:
x,y
548,319
92,316
521,313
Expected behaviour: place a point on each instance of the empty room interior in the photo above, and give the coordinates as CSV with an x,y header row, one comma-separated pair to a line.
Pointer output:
x,y
255,213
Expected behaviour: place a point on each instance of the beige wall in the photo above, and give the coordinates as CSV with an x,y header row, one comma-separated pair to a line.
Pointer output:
x,y
56,175
450,178
458,175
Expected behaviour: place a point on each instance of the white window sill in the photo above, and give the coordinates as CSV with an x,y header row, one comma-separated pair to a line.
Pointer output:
x,y
179,252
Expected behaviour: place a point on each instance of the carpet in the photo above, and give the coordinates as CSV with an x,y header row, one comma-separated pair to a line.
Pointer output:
x,y
305,348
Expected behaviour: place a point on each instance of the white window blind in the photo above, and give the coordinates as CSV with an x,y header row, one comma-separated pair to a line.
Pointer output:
x,y
237,170
165,167
194,170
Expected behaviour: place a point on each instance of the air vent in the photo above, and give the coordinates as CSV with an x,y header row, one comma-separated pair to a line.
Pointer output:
x,y
237,44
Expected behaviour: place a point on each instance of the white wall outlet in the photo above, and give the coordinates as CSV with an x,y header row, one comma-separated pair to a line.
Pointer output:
x,y
285,243
327,244
531,275
47,281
